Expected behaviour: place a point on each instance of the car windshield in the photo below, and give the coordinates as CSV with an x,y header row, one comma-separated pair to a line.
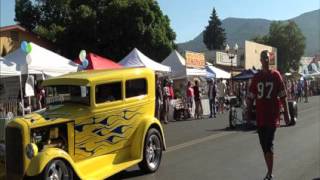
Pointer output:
x,y
62,94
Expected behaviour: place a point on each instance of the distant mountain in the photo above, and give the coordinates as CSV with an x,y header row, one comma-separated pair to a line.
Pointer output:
x,y
239,29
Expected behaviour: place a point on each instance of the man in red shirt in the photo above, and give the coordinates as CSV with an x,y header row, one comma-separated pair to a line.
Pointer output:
x,y
267,89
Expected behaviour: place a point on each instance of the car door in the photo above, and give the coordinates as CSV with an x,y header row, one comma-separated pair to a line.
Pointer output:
x,y
105,131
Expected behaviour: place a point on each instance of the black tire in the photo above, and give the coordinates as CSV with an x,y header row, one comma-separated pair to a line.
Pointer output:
x,y
232,123
293,111
152,151
57,169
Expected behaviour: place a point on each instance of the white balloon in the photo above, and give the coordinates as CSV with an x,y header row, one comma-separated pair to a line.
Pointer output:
x,y
82,55
28,59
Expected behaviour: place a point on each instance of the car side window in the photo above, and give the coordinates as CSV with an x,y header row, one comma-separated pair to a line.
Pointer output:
x,y
136,87
108,92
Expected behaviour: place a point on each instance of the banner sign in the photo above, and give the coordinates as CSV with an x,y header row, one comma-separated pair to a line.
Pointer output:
x,y
195,60
223,58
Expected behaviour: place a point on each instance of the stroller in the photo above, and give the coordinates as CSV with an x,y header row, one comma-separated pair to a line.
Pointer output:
x,y
181,110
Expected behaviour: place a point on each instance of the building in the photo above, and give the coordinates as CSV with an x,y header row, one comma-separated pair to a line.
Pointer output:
x,y
245,58
228,62
12,36
252,55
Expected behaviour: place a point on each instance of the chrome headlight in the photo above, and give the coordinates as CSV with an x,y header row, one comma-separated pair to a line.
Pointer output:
x,y
31,150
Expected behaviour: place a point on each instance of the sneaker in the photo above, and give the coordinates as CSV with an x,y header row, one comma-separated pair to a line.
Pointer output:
x,y
268,177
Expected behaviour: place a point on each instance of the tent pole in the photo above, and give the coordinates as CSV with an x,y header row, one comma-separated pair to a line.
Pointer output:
x,y
21,94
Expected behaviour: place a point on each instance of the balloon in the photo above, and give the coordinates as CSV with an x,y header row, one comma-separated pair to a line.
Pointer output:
x,y
85,63
23,46
28,59
82,55
29,48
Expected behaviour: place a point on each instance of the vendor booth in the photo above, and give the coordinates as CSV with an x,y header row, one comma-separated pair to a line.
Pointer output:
x,y
10,87
182,69
219,73
137,59
311,73
41,61
245,74
190,69
98,62
35,64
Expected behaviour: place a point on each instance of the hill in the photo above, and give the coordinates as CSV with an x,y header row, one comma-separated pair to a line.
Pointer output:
x,y
240,29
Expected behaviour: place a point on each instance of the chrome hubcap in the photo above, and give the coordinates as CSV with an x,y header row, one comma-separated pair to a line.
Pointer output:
x,y
153,151
57,171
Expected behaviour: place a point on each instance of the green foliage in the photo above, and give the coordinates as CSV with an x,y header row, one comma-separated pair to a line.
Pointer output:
x,y
289,41
111,28
26,13
214,35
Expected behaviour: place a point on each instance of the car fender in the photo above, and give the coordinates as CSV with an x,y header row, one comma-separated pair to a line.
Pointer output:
x,y
137,146
39,162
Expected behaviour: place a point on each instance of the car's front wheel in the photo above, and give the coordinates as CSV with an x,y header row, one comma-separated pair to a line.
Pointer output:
x,y
152,151
57,170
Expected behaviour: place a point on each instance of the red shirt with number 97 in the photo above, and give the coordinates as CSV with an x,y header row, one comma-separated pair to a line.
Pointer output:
x,y
266,88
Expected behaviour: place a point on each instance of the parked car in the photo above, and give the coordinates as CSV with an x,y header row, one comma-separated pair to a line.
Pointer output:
x,y
97,123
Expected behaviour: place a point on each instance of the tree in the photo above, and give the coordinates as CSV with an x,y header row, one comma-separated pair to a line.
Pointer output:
x,y
26,14
289,41
214,35
111,28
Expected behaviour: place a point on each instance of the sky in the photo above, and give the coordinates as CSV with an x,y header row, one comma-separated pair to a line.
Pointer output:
x,y
189,17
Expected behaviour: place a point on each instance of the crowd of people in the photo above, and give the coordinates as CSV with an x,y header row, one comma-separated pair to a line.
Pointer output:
x,y
215,90
297,89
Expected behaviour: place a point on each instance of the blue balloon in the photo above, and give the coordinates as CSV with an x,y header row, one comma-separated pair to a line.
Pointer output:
x,y
24,46
85,63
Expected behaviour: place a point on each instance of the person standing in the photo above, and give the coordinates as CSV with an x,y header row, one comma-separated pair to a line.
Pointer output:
x,y
197,100
221,92
299,87
159,98
166,101
212,92
171,91
267,89
190,96
305,88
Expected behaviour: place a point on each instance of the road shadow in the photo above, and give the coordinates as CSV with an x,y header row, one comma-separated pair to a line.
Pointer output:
x,y
318,178
242,128
127,174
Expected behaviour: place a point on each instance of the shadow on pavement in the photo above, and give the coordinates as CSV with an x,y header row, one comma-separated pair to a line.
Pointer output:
x,y
318,178
242,128
126,175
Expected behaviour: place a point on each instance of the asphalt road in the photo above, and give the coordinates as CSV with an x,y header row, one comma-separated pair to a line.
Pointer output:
x,y
205,149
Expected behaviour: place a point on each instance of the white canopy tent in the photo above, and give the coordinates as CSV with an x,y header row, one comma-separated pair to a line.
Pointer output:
x,y
220,74
178,66
311,70
41,61
8,68
137,59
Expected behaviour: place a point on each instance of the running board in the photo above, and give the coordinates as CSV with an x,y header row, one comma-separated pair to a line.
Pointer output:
x,y
105,166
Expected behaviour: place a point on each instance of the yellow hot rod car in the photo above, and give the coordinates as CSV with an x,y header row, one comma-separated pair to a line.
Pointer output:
x,y
97,123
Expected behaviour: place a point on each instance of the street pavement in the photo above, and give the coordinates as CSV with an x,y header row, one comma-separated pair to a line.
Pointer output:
x,y
206,149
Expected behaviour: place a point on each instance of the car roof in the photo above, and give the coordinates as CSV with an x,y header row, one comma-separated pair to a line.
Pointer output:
x,y
88,76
